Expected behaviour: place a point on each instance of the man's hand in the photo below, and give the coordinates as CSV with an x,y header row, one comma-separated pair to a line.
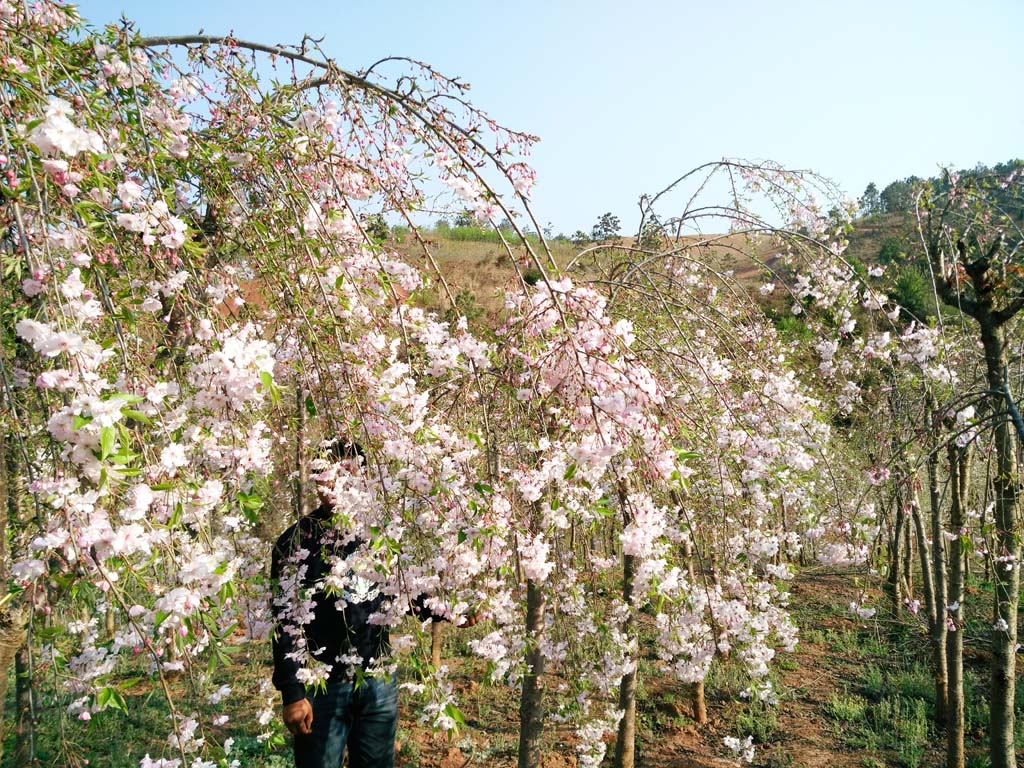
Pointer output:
x,y
298,717
472,619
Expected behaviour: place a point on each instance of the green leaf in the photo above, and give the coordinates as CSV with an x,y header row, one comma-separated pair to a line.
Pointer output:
x,y
310,406
570,472
603,507
111,698
136,415
128,399
455,714
250,501
107,439
483,489
272,389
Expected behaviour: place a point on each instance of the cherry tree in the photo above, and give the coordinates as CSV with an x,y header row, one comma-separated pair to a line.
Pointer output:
x,y
196,302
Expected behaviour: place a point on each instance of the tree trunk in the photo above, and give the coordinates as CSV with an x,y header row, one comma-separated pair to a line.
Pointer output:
x,y
924,555
896,556
938,622
436,643
24,727
531,701
908,559
700,707
12,619
1005,571
959,477
300,462
625,744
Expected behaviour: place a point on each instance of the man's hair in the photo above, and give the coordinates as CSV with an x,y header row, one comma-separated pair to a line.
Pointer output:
x,y
340,449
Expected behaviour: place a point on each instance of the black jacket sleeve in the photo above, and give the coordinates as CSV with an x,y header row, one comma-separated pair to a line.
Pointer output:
x,y
285,677
419,609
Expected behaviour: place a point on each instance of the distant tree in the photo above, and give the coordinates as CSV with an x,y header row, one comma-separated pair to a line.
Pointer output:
x,y
913,291
465,218
650,235
870,201
893,250
376,228
899,196
606,228
580,238
442,225
548,229
838,218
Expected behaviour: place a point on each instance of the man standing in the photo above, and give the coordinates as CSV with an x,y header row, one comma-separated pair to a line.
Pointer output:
x,y
325,639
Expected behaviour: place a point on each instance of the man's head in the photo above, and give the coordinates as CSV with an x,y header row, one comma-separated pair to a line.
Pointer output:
x,y
341,449
338,455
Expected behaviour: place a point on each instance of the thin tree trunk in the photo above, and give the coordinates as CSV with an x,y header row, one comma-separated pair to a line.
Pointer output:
x,y
959,475
12,618
436,643
938,625
1005,569
896,558
625,744
908,559
12,622
700,707
531,701
300,463
24,727
924,555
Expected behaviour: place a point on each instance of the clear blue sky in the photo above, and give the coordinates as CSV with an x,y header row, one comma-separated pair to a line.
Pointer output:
x,y
627,96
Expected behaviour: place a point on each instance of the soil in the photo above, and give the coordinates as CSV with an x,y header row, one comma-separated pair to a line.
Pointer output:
x,y
805,737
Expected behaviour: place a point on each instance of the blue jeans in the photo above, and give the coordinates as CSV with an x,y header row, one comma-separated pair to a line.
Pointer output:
x,y
364,720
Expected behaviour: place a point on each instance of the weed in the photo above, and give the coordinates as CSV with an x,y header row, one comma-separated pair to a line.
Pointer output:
x,y
976,713
905,723
813,636
409,752
916,683
759,721
874,685
727,678
845,641
778,760
788,664
848,708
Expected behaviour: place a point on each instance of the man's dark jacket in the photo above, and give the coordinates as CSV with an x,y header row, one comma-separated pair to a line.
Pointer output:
x,y
332,632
